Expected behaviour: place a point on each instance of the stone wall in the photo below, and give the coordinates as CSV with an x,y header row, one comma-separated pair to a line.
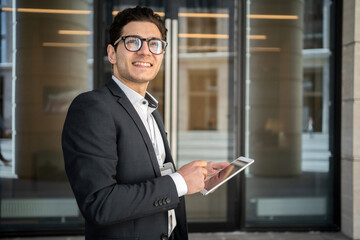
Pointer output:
x,y
350,139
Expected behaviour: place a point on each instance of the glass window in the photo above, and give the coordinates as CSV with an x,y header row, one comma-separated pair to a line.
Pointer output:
x,y
287,130
206,97
46,60
6,90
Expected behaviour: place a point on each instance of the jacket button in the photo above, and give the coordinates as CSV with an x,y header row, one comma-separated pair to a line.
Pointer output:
x,y
164,237
156,203
168,200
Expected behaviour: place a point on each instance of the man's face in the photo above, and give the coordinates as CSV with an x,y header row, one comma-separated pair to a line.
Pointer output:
x,y
136,67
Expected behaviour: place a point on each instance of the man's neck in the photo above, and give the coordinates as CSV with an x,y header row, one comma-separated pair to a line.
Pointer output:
x,y
140,88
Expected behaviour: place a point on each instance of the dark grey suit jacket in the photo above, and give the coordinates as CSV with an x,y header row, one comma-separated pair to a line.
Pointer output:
x,y
113,171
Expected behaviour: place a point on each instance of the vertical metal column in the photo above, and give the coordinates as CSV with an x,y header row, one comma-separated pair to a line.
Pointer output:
x,y
171,85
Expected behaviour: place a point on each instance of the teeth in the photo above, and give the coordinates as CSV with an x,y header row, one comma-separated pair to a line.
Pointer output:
x,y
142,64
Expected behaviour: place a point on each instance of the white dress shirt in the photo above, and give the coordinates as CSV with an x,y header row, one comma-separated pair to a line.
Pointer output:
x,y
144,107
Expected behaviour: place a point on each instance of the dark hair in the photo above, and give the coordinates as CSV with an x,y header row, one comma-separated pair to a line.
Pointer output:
x,y
138,13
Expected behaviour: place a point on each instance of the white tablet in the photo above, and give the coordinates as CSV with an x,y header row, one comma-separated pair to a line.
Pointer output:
x,y
225,174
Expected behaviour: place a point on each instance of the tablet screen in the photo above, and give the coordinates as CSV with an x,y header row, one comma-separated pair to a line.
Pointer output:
x,y
225,174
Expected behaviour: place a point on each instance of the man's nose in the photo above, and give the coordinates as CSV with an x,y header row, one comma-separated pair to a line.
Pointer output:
x,y
144,50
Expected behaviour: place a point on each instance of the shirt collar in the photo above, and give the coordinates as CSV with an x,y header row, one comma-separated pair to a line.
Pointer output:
x,y
135,97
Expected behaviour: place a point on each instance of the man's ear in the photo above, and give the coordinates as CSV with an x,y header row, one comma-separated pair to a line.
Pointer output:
x,y
111,54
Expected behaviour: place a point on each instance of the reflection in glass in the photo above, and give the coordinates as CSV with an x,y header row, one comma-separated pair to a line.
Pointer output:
x,y
50,64
205,77
6,126
287,115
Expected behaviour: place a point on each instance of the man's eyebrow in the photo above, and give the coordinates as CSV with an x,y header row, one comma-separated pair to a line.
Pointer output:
x,y
134,35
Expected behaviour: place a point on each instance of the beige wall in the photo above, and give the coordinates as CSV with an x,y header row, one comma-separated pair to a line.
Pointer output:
x,y
350,139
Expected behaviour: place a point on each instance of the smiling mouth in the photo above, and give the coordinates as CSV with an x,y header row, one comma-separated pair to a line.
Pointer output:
x,y
142,64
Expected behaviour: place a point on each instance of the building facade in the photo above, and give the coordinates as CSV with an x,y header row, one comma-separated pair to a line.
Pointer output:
x,y
277,81
350,136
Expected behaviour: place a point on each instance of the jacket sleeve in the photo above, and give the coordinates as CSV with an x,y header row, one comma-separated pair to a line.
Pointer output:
x,y
89,142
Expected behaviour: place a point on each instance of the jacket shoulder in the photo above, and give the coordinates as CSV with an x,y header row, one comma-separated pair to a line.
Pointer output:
x,y
89,97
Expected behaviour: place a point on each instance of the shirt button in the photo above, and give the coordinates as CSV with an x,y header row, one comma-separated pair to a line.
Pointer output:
x,y
164,237
144,102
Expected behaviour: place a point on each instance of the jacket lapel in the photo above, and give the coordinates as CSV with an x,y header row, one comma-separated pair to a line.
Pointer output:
x,y
126,104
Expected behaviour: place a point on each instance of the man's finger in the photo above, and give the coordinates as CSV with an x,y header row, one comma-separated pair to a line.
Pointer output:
x,y
219,165
200,163
204,172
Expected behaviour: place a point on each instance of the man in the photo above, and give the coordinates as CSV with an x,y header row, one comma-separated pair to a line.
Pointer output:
x,y
115,149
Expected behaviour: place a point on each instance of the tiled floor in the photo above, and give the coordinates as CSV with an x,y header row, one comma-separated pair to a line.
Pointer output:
x,y
235,236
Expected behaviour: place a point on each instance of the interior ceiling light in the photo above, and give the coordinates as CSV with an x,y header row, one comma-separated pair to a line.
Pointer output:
x,y
277,17
257,37
193,15
74,32
204,15
198,35
59,44
54,11
161,14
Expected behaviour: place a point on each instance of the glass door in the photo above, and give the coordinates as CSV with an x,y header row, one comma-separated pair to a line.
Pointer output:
x,y
195,89
203,96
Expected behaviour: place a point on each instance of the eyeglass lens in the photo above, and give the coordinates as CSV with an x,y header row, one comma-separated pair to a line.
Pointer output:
x,y
134,44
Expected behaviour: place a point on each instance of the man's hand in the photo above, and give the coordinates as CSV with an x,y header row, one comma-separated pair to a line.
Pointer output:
x,y
214,167
194,174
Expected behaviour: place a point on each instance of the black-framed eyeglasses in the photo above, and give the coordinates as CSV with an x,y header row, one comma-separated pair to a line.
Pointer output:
x,y
134,44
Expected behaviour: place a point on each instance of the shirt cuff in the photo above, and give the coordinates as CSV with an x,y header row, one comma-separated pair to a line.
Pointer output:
x,y
180,183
